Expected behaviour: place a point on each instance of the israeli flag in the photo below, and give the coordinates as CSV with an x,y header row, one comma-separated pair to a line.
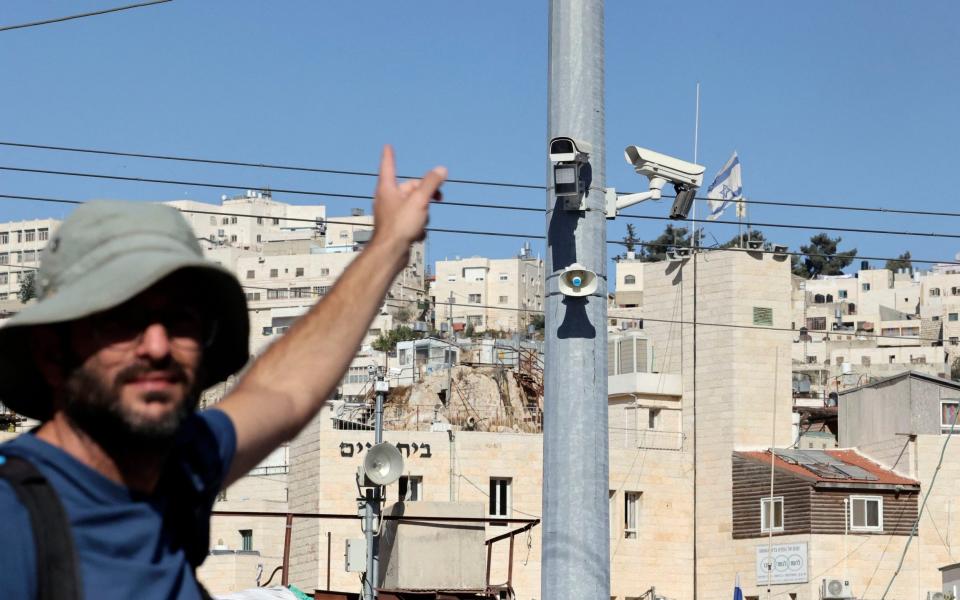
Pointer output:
x,y
726,188
737,590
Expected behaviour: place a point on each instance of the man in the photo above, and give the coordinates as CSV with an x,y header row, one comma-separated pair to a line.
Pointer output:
x,y
131,324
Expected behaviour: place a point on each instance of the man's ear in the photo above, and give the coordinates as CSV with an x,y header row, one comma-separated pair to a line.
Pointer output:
x,y
46,346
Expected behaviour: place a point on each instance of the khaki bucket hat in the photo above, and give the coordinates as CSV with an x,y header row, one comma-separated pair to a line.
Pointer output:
x,y
104,254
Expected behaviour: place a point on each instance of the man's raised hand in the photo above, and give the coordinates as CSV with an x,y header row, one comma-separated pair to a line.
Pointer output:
x,y
401,211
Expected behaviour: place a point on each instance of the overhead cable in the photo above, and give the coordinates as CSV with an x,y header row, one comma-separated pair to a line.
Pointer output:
x,y
81,15
258,165
754,251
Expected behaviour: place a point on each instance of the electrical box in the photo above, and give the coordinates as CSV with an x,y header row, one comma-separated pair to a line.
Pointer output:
x,y
356,555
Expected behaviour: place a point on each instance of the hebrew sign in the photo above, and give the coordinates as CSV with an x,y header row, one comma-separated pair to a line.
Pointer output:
x,y
348,449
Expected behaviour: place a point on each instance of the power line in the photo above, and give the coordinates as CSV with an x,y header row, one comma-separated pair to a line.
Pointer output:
x,y
258,165
810,227
82,15
275,166
508,235
253,187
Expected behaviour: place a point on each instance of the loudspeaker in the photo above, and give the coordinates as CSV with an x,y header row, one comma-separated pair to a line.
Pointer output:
x,y
383,464
577,280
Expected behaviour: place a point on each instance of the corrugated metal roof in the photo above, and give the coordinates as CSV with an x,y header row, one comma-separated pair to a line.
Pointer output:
x,y
830,466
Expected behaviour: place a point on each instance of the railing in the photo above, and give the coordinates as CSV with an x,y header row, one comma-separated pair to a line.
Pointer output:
x,y
649,439
425,417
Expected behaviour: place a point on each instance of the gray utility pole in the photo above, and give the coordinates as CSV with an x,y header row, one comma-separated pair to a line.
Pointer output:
x,y
374,496
576,526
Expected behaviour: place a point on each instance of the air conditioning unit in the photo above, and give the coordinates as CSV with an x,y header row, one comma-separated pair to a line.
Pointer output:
x,y
835,589
936,596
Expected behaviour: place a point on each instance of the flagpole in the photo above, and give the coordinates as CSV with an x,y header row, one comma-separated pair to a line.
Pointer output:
x,y
696,144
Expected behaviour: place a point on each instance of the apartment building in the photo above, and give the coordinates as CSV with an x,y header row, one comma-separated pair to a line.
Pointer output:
x,y
20,246
489,294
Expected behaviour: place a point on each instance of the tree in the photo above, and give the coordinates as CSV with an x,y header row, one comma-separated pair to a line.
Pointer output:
x,y
28,288
470,331
822,257
902,262
630,240
656,249
387,342
538,322
955,369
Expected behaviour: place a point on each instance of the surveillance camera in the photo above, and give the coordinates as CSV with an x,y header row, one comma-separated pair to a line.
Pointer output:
x,y
653,164
577,280
659,169
568,149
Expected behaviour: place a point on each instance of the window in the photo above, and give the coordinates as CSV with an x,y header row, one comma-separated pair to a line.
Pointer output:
x,y
4,258
866,513
475,320
259,220
251,274
865,360
952,317
934,291
763,316
629,280
841,294
233,220
3,278
321,290
473,298
233,238
653,418
274,273
300,292
29,256
324,272
502,277
259,237
253,295
267,331
20,239
816,323
865,287
948,414
500,496
344,234
225,221
276,221
276,294
771,514
4,237
631,508
954,340
503,299
299,272
410,488
246,540
30,235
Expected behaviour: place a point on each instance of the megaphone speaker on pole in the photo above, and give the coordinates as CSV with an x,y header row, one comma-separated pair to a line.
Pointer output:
x,y
383,464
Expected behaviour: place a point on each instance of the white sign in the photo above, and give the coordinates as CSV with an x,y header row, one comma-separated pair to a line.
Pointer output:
x,y
786,563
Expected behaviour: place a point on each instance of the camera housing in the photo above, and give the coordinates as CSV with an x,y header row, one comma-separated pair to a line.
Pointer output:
x,y
659,168
570,158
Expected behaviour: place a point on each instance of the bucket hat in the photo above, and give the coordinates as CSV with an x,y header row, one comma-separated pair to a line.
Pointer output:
x,y
104,254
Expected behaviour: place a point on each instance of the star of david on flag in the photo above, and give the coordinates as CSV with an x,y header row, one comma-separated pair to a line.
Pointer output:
x,y
726,188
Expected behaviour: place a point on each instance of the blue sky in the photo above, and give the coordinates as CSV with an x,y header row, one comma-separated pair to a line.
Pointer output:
x,y
835,102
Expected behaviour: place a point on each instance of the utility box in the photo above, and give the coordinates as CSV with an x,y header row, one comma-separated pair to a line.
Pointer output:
x,y
433,555
355,555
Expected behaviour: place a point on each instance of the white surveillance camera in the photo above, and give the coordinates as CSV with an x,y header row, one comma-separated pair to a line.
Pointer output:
x,y
653,164
568,149
659,169
577,280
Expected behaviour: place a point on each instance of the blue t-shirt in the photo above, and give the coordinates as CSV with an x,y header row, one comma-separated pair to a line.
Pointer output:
x,y
123,548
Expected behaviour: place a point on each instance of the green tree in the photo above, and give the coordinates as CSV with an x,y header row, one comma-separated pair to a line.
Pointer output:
x,y
901,262
538,322
387,342
630,240
822,257
28,287
955,369
656,248
470,331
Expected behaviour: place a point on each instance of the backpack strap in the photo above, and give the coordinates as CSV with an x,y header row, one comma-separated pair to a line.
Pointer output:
x,y
58,577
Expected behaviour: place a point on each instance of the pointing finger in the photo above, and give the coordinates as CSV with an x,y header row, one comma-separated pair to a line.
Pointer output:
x,y
388,172
430,184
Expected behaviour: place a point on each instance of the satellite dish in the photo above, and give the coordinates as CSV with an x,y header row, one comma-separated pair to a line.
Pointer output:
x,y
383,464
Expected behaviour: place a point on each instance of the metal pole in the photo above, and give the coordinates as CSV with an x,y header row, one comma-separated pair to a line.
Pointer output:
x,y
368,528
576,545
285,579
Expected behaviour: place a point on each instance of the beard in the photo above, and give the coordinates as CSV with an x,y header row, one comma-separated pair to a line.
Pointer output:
x,y
96,408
